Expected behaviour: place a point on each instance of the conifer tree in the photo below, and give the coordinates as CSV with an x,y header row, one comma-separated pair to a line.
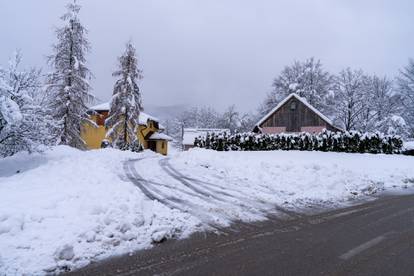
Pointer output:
x,y
68,87
126,103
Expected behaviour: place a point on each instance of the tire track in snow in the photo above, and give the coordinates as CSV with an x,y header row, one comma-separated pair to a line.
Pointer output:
x,y
189,181
166,165
138,181
174,174
169,201
201,211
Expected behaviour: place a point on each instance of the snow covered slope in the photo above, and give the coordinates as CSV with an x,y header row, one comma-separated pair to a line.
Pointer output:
x,y
280,176
67,207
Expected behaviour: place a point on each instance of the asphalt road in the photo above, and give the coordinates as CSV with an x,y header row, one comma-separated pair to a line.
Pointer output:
x,y
375,238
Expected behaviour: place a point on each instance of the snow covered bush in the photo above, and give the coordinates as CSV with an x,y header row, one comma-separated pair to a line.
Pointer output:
x,y
350,141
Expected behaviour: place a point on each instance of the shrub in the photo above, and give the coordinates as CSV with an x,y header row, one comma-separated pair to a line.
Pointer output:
x,y
350,141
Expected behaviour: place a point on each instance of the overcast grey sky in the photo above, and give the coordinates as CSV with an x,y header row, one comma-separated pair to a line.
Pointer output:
x,y
217,52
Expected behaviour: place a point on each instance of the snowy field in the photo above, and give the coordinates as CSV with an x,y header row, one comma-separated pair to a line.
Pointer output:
x,y
66,208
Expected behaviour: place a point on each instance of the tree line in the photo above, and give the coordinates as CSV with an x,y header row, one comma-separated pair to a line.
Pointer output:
x,y
39,109
353,99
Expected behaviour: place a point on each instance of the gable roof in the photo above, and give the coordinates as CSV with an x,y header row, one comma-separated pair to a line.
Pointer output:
x,y
143,117
299,98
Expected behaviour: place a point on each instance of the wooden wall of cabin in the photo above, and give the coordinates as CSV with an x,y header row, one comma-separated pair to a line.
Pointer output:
x,y
293,115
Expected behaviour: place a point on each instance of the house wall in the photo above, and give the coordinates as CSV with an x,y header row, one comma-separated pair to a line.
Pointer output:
x,y
300,119
162,147
93,136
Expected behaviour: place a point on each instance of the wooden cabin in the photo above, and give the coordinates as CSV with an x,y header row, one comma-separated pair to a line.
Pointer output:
x,y
150,131
294,114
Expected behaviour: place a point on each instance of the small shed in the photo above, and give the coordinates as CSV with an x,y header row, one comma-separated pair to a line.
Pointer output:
x,y
294,114
190,134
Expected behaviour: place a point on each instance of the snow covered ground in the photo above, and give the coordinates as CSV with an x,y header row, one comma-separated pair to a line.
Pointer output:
x,y
66,207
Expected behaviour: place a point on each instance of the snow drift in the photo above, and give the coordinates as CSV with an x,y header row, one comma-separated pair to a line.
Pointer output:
x,y
64,208
67,207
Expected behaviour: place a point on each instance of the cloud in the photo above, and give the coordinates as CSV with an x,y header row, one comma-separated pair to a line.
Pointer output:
x,y
218,52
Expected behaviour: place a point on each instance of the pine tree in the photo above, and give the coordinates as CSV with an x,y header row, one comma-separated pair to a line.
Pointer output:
x,y
68,87
126,103
23,124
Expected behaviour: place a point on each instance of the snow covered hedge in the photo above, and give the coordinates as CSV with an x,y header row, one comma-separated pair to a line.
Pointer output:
x,y
351,141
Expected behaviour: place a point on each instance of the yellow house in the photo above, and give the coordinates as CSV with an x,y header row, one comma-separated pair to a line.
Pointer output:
x,y
150,131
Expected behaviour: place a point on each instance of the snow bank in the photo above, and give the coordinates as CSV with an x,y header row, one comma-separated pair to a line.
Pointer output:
x,y
293,177
61,209
66,207
409,145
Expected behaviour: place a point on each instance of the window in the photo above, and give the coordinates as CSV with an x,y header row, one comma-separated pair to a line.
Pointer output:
x,y
100,118
293,105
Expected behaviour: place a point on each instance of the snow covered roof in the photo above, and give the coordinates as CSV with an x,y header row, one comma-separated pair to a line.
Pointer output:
x,y
302,100
143,117
101,107
409,145
190,134
160,136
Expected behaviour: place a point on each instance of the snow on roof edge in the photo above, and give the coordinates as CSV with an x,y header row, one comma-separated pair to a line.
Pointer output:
x,y
160,136
142,120
194,129
102,106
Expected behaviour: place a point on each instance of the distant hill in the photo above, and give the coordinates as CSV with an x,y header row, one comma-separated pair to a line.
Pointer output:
x,y
165,112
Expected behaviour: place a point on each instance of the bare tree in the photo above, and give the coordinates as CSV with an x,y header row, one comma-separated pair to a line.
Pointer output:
x,y
380,102
247,122
230,119
350,88
24,125
308,79
406,90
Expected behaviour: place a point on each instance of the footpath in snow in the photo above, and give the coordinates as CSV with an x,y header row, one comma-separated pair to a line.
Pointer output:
x,y
66,208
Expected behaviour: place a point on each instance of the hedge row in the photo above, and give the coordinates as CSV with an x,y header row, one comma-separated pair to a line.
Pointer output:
x,y
351,141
